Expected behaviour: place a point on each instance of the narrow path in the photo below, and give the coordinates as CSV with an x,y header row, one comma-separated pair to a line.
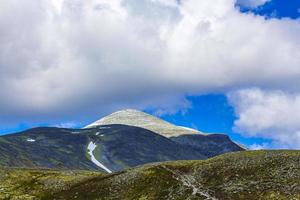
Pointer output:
x,y
188,181
91,147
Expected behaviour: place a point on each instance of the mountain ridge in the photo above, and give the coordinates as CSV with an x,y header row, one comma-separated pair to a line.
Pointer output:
x,y
208,144
117,147
141,119
113,144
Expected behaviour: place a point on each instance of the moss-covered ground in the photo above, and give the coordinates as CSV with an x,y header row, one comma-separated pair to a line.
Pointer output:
x,y
245,175
250,175
30,184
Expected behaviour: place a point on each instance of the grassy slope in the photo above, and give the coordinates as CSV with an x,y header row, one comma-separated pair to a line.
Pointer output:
x,y
245,175
27,184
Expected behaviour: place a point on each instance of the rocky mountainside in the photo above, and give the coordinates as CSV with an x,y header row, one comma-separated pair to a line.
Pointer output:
x,y
107,148
137,118
46,148
111,147
248,175
207,144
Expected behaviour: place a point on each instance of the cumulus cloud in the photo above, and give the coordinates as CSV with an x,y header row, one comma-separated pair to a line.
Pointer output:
x,y
252,3
268,114
256,146
67,125
77,58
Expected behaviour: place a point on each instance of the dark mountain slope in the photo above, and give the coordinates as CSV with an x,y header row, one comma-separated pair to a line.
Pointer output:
x,y
209,145
127,146
117,147
110,147
46,148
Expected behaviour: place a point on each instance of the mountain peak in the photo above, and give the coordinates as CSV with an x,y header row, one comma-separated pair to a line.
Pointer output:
x,y
133,117
128,111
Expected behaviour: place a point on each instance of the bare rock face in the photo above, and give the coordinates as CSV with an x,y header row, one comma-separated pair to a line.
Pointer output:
x,y
140,119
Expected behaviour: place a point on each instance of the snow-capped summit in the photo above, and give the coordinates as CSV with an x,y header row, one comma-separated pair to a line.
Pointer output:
x,y
137,118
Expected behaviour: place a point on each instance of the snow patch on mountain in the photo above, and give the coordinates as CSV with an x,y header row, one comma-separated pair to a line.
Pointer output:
x,y
30,140
91,147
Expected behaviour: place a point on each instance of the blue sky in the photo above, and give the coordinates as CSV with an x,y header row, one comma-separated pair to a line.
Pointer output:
x,y
212,114
277,9
225,67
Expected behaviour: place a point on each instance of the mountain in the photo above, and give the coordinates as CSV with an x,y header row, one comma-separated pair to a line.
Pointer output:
x,y
122,140
248,175
46,148
207,144
140,119
107,148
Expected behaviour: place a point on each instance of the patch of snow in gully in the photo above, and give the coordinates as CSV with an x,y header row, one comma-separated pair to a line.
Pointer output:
x,y
91,147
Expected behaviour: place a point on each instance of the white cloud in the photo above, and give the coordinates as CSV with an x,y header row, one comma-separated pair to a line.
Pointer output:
x,y
58,5
78,58
268,114
252,3
67,125
256,146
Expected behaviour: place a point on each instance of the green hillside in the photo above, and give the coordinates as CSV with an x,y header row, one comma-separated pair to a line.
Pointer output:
x,y
29,184
244,175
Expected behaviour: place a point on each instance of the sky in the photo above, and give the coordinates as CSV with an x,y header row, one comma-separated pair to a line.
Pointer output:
x,y
223,66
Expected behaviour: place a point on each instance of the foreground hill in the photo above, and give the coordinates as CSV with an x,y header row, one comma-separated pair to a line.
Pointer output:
x,y
29,184
247,175
244,175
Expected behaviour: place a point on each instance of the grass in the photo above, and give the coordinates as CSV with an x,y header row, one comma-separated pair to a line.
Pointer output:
x,y
27,184
245,175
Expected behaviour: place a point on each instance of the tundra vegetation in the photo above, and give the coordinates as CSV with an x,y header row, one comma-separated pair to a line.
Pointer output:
x,y
241,175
